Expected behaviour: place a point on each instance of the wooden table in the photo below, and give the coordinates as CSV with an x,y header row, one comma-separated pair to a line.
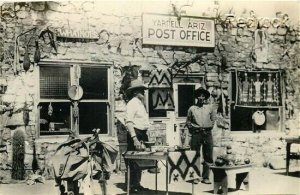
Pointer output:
x,y
145,156
165,156
289,155
220,176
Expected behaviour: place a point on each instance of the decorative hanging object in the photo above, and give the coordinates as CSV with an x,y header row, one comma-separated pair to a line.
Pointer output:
x,y
276,89
261,46
250,99
25,117
75,109
75,92
50,109
245,89
26,61
270,85
259,118
75,115
3,84
47,33
77,74
263,89
163,99
257,85
37,53
160,78
161,82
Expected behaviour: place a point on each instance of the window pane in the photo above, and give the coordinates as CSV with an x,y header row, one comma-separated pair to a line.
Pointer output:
x,y
185,99
59,122
92,115
94,82
54,82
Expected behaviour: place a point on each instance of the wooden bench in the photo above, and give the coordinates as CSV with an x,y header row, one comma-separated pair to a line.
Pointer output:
x,y
221,174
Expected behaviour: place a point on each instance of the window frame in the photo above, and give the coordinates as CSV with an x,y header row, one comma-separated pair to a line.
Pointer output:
x,y
71,64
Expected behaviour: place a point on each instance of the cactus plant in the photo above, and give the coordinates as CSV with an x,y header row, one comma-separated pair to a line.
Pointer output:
x,y
18,168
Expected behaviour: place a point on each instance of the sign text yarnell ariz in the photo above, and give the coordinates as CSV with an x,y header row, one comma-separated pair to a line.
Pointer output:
x,y
193,31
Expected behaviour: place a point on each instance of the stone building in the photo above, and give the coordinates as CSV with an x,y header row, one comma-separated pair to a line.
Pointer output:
x,y
48,48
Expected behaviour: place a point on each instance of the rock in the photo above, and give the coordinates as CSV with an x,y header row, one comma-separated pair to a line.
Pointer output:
x,y
38,6
281,31
277,163
272,30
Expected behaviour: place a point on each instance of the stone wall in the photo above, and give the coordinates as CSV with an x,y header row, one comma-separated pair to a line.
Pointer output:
x,y
119,41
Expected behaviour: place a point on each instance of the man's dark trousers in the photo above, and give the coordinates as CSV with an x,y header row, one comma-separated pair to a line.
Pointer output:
x,y
203,138
135,170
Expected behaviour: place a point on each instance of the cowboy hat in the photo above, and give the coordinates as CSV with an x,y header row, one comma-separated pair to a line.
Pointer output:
x,y
136,84
203,91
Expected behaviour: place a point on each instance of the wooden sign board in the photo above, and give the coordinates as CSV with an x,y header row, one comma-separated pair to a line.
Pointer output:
x,y
174,31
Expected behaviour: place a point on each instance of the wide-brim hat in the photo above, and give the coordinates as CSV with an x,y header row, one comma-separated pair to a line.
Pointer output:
x,y
203,91
136,84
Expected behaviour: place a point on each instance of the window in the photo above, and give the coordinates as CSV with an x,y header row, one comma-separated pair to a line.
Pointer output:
x,y
56,108
185,97
54,104
249,98
94,106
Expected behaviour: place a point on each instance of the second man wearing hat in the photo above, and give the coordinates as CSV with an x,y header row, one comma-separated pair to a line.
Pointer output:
x,y
200,121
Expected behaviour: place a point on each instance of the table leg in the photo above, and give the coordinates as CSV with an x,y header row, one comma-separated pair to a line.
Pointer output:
x,y
225,186
288,150
242,178
220,180
193,187
223,183
156,176
128,178
167,177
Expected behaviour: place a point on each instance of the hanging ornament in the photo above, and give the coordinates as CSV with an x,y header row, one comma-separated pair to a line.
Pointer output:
x,y
77,73
26,61
75,109
270,85
25,117
50,109
259,118
75,92
37,54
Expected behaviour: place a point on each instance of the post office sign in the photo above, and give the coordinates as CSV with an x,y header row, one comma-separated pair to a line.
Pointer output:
x,y
172,31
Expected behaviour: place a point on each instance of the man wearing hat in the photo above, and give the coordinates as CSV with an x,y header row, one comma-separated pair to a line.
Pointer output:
x,y
200,121
137,123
